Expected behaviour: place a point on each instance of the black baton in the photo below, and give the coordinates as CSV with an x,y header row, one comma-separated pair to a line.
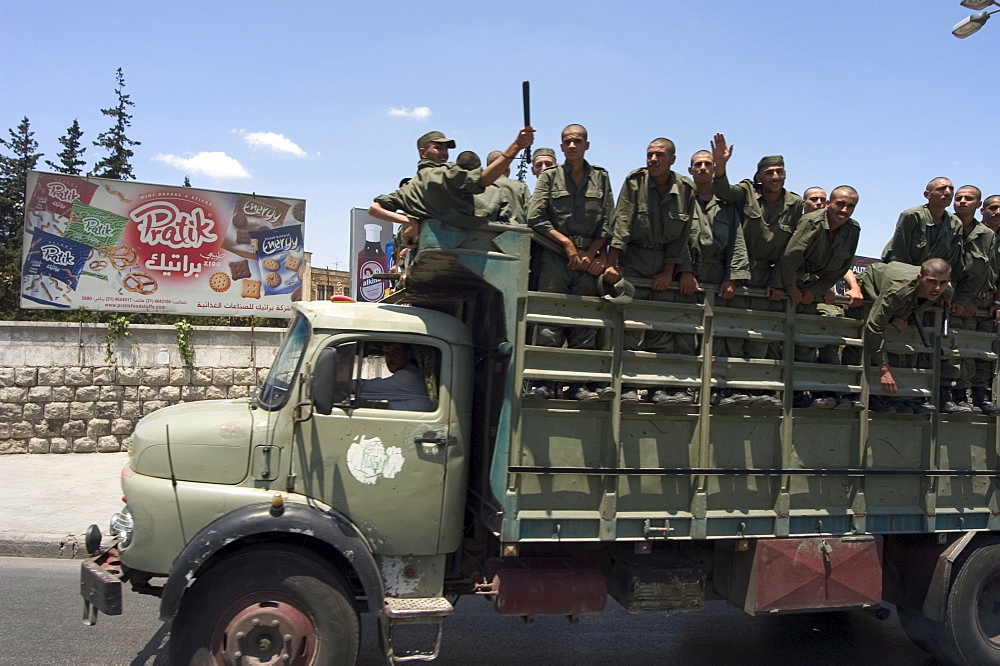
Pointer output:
x,y
522,167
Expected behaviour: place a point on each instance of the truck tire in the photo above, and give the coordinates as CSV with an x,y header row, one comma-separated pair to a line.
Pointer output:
x,y
262,601
972,618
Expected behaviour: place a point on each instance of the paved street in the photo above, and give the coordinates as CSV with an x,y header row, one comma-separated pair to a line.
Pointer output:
x,y
42,609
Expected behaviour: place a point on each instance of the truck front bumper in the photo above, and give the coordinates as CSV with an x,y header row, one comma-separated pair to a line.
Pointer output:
x,y
101,578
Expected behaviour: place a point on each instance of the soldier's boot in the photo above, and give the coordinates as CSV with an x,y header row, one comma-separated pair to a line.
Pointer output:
x,y
981,399
947,404
961,397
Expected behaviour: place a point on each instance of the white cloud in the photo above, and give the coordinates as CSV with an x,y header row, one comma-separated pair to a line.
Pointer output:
x,y
214,164
418,112
279,143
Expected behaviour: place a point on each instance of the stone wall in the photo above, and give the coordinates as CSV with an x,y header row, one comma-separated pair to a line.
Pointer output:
x,y
57,394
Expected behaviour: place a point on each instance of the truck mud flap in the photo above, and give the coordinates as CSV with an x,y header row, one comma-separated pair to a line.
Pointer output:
x,y
101,585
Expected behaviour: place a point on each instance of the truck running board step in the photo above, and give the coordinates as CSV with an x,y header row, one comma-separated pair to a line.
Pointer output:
x,y
422,609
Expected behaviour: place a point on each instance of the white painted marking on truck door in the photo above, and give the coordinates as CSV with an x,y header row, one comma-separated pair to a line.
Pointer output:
x,y
368,459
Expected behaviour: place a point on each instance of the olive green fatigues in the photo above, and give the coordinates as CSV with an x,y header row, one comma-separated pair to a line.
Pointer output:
x,y
892,290
766,231
652,230
719,253
980,271
439,192
583,213
815,259
917,238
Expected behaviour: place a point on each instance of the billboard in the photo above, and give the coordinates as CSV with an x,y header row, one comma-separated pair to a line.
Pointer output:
x,y
124,246
371,253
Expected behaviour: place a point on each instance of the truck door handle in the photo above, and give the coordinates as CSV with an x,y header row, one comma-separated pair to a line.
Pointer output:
x,y
430,440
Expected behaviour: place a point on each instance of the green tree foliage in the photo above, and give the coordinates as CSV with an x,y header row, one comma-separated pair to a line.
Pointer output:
x,y
20,155
117,164
71,160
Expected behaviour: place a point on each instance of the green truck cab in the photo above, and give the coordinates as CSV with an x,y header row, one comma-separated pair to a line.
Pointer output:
x,y
267,525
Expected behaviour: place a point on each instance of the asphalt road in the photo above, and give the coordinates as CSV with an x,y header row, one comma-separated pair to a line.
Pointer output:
x,y
41,611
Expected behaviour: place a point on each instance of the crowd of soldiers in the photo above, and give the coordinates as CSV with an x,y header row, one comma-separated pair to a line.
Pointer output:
x,y
672,235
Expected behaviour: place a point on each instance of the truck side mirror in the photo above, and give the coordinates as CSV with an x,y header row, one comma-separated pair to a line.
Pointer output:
x,y
333,377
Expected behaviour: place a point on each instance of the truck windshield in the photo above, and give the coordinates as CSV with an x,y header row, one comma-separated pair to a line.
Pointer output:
x,y
274,393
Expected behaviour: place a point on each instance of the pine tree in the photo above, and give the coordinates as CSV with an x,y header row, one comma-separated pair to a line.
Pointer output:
x,y
13,179
70,161
116,164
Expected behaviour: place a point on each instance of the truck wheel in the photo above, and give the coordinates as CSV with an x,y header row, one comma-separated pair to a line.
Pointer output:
x,y
972,619
264,602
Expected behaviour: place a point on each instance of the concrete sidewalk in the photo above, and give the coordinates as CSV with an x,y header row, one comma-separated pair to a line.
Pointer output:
x,y
50,500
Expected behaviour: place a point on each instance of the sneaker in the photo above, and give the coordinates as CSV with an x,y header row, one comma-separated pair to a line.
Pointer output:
x,y
539,393
967,408
682,397
606,394
630,395
989,408
801,400
928,405
740,399
584,394
849,402
823,403
952,407
657,396
765,401
880,406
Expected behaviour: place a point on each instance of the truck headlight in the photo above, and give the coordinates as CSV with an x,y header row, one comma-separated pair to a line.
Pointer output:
x,y
121,525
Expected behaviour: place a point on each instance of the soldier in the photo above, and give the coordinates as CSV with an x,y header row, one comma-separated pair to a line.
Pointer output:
x,y
514,195
469,160
815,259
650,236
719,257
896,290
925,232
542,159
433,150
982,377
813,198
443,191
572,206
978,259
770,214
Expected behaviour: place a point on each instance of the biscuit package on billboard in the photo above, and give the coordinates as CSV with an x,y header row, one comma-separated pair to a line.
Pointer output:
x,y
279,255
51,270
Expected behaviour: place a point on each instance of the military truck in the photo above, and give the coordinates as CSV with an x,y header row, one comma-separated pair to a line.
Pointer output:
x,y
267,525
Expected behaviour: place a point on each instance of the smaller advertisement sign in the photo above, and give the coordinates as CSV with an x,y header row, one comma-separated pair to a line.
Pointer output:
x,y
371,254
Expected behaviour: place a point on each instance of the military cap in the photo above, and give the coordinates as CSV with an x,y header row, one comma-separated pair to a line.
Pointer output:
x,y
435,136
770,161
542,151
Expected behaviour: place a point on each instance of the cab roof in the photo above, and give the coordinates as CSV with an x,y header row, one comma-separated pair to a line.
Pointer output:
x,y
384,318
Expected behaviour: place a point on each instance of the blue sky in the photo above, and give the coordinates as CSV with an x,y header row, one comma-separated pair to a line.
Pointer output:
x,y
300,95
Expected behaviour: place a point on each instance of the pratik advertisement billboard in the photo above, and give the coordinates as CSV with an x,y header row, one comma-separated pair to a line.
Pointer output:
x,y
117,245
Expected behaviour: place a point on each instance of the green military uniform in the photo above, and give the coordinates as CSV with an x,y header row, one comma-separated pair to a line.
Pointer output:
x,y
766,231
918,238
652,230
581,212
719,253
439,192
516,195
980,271
815,259
892,290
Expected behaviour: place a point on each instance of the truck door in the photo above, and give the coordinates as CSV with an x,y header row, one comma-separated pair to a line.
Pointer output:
x,y
382,447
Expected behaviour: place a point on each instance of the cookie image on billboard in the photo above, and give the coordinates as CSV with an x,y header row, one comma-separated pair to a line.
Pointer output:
x,y
251,289
273,279
219,282
270,264
292,263
299,211
240,270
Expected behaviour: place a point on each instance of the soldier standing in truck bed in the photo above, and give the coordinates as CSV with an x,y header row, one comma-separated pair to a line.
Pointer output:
x,y
649,239
816,257
770,214
572,206
978,261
